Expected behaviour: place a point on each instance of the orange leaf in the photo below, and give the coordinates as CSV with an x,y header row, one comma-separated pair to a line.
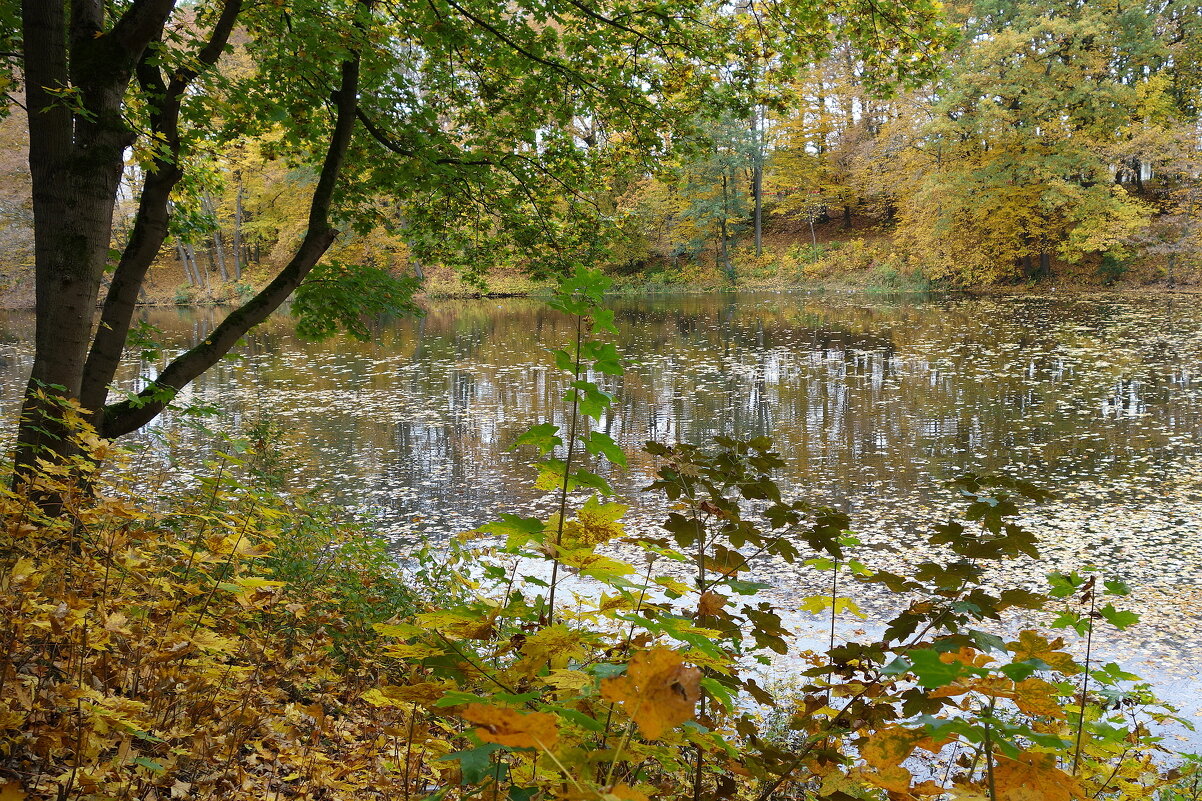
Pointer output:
x,y
1034,777
658,692
710,603
513,728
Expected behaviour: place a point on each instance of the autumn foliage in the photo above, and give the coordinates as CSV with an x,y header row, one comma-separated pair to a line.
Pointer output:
x,y
237,644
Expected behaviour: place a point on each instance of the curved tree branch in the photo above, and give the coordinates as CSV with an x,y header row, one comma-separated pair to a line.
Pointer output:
x,y
129,415
153,215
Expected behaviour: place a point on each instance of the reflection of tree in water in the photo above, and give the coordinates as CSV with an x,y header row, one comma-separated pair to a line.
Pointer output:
x,y
859,394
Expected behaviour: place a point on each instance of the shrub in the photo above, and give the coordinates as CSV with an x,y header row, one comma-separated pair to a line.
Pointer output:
x,y
188,652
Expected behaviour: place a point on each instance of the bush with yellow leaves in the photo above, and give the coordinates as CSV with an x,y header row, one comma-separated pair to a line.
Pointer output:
x,y
155,654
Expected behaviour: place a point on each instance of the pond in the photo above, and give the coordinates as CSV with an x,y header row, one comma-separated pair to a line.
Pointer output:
x,y
874,402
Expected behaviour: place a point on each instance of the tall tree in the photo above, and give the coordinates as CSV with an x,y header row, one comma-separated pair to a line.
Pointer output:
x,y
1033,147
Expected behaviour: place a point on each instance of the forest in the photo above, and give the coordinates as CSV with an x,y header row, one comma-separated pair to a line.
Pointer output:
x,y
1050,140
281,520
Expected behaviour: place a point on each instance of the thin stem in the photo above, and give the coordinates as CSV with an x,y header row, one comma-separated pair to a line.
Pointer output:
x,y
830,675
566,773
988,743
567,469
609,777
409,747
1093,602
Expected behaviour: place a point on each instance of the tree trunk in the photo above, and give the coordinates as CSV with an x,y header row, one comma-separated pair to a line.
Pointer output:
x,y
183,262
154,208
238,255
846,216
130,415
76,157
757,182
723,236
217,253
202,278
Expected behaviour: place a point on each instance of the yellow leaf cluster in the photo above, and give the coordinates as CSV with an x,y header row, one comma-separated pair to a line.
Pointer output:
x,y
512,728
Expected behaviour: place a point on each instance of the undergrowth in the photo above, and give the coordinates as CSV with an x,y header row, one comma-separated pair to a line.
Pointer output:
x,y
237,643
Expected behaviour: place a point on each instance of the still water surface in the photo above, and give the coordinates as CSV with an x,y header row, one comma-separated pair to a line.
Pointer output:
x,y
873,401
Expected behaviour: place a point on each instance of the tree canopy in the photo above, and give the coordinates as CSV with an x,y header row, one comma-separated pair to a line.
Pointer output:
x,y
493,126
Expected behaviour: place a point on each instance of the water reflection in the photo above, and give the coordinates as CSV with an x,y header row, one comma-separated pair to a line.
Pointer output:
x,y
864,396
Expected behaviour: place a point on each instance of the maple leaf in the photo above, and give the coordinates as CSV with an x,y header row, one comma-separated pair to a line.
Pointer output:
x,y
1034,777
658,692
890,745
512,728
710,603
894,778
1031,645
624,792
1037,697
554,645
595,524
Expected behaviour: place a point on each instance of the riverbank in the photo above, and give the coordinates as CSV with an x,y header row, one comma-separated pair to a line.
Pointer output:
x,y
833,259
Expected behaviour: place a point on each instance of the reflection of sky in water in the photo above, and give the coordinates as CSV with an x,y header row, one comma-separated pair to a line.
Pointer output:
x,y
865,397
872,401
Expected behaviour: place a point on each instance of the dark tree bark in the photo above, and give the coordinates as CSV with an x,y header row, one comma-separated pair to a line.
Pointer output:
x,y
77,146
76,157
150,222
757,181
126,416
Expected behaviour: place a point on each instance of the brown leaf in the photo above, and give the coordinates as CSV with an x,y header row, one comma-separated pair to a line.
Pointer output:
x,y
710,603
513,728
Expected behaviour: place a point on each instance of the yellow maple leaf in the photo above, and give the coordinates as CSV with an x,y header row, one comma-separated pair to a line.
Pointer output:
x,y
1034,777
624,792
567,680
894,778
512,728
1037,697
889,746
595,524
658,692
554,646
1032,645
